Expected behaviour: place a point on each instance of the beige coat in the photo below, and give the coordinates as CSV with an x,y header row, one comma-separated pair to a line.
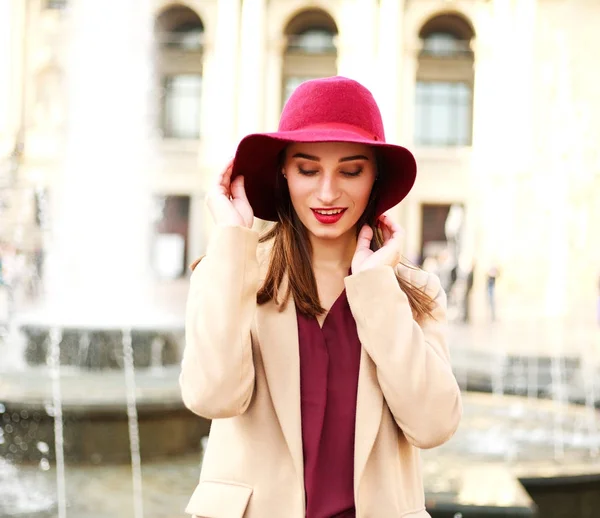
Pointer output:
x,y
241,369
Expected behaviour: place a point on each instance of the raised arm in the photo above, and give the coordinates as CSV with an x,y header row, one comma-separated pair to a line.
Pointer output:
x,y
412,360
217,370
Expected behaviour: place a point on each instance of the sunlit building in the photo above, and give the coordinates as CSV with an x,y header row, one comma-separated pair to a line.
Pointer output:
x,y
498,99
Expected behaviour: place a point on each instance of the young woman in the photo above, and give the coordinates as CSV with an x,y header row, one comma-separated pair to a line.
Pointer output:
x,y
320,357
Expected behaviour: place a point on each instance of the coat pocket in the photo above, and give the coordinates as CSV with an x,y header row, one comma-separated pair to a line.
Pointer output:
x,y
216,499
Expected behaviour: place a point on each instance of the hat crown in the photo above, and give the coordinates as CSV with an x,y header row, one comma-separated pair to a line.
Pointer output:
x,y
332,100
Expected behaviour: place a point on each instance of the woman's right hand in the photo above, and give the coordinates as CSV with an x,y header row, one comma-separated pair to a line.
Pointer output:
x,y
228,203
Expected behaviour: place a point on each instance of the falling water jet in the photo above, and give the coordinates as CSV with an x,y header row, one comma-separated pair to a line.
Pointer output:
x,y
559,404
591,414
54,364
156,354
132,418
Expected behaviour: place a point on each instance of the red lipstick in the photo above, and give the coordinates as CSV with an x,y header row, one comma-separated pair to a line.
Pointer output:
x,y
329,219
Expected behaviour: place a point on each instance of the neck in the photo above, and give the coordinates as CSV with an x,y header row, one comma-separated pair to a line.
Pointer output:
x,y
333,254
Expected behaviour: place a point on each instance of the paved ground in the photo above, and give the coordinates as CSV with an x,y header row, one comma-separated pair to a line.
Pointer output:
x,y
500,438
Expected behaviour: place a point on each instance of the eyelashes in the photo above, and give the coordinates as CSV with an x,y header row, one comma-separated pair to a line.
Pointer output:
x,y
311,172
306,172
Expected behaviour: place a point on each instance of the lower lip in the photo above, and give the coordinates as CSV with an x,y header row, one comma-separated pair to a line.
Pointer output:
x,y
328,219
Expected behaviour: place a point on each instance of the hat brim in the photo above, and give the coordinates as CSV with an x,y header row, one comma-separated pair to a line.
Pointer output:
x,y
257,159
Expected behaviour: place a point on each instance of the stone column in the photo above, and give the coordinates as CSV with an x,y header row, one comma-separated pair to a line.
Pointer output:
x,y
491,125
221,84
487,60
273,83
220,100
365,48
357,43
251,94
12,49
523,60
408,79
388,90
554,177
6,50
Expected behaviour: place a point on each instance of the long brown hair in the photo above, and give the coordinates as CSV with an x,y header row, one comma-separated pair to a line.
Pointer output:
x,y
291,254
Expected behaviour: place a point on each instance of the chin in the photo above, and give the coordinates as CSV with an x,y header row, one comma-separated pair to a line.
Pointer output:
x,y
327,233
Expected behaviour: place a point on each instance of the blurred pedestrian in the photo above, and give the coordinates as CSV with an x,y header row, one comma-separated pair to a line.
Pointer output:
x,y
469,279
492,276
446,265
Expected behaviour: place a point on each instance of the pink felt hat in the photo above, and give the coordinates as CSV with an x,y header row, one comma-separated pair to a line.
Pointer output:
x,y
332,109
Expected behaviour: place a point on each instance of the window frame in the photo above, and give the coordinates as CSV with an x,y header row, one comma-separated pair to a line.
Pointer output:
x,y
445,67
452,138
166,127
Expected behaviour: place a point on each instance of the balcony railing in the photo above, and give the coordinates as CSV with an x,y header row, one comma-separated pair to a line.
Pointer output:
x,y
193,41
447,50
311,44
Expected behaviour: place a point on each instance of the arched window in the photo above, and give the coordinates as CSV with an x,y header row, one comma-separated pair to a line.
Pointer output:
x,y
310,51
179,32
444,90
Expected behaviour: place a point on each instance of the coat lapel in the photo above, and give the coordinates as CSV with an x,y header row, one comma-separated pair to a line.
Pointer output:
x,y
278,337
369,405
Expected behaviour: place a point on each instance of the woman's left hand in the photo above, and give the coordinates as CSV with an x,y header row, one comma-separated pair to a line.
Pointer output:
x,y
388,255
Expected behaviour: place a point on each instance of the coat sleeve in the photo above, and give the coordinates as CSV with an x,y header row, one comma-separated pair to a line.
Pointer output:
x,y
217,370
412,360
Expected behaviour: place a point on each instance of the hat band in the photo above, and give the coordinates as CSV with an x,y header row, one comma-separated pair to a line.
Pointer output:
x,y
341,126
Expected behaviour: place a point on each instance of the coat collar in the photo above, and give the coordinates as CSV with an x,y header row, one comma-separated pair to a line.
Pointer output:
x,y
278,337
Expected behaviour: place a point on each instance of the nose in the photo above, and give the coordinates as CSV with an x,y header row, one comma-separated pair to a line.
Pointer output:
x,y
328,191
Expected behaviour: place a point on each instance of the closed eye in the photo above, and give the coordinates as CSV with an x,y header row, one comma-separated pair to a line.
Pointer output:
x,y
307,172
352,173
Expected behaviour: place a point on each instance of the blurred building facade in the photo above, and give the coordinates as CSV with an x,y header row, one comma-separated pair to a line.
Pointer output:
x,y
498,99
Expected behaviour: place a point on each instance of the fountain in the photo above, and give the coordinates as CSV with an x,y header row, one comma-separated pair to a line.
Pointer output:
x,y
98,278
90,368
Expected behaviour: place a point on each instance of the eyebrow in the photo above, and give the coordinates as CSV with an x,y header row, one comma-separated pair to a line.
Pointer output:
x,y
344,159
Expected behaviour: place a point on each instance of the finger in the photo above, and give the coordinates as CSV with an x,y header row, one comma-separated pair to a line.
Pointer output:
x,y
396,228
364,238
384,225
225,169
390,228
386,231
225,177
238,192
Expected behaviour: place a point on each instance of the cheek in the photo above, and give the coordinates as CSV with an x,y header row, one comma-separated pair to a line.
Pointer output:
x,y
297,194
298,189
361,193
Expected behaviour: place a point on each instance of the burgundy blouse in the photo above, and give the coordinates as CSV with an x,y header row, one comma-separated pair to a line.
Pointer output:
x,y
329,365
